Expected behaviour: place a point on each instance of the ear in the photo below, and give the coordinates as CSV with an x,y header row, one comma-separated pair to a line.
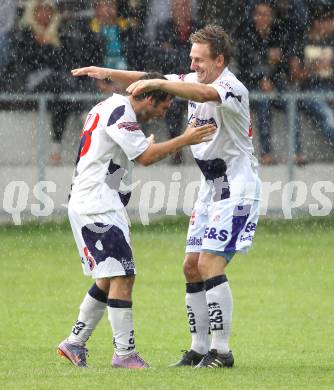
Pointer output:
x,y
150,100
221,60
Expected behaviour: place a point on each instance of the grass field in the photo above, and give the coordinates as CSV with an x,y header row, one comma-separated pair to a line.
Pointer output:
x,y
283,330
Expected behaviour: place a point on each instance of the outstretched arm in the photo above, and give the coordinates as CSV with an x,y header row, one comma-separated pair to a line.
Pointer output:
x,y
125,77
190,91
192,135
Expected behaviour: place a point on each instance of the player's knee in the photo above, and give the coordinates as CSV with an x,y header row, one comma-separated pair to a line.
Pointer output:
x,y
190,268
127,281
103,284
204,267
121,287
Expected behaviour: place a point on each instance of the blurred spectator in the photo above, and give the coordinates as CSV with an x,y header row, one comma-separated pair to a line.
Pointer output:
x,y
134,11
7,23
158,12
221,13
112,32
38,64
314,70
264,68
170,54
110,26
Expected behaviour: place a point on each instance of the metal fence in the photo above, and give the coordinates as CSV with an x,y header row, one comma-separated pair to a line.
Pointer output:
x,y
291,100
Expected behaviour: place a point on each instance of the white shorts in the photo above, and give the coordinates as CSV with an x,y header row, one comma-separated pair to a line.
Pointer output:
x,y
103,242
225,226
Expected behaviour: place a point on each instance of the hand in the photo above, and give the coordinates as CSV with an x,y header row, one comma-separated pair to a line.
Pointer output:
x,y
195,135
91,71
142,86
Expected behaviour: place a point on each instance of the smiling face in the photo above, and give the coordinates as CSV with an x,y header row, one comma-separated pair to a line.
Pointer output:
x,y
206,67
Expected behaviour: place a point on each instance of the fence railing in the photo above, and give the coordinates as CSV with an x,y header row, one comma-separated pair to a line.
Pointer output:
x,y
291,99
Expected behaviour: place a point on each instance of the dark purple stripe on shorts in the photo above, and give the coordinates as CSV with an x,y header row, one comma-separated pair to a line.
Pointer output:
x,y
240,216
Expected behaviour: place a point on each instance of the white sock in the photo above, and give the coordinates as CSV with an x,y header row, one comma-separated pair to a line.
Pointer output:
x,y
91,312
120,317
198,317
220,306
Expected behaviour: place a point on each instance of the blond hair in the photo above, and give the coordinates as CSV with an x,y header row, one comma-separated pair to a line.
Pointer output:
x,y
51,31
216,38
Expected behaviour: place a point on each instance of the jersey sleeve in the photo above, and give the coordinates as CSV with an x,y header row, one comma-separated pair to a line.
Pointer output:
x,y
126,132
232,95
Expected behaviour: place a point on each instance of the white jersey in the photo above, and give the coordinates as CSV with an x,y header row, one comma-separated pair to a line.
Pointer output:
x,y
110,139
227,162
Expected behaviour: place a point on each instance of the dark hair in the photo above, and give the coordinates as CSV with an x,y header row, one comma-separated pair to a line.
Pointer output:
x,y
216,38
157,95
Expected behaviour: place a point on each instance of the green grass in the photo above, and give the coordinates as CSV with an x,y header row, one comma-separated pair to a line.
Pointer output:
x,y
283,330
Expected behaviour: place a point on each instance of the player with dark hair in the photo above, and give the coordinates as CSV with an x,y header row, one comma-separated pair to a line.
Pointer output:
x,y
225,215
111,139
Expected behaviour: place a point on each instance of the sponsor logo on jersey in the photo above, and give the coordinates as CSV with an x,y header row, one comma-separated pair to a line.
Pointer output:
x,y
202,122
192,104
226,85
129,126
194,241
182,77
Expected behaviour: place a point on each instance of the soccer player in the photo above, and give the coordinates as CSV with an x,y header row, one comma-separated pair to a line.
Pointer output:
x,y
225,214
111,139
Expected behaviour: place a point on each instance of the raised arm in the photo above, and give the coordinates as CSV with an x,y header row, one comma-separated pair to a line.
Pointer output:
x,y
125,77
190,91
192,135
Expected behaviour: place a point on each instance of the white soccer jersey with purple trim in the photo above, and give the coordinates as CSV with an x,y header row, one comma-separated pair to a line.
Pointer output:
x,y
227,162
110,139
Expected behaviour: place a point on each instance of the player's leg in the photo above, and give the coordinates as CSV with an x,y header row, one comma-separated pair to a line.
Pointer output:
x,y
195,298
231,228
91,311
121,321
197,312
120,314
220,307
93,305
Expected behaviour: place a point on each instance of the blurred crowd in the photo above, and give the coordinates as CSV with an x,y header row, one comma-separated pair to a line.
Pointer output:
x,y
280,45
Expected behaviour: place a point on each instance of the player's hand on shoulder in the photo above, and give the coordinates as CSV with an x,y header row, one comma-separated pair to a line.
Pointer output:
x,y
195,135
91,71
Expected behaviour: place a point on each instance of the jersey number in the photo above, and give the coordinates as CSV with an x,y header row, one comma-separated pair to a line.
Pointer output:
x,y
86,135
